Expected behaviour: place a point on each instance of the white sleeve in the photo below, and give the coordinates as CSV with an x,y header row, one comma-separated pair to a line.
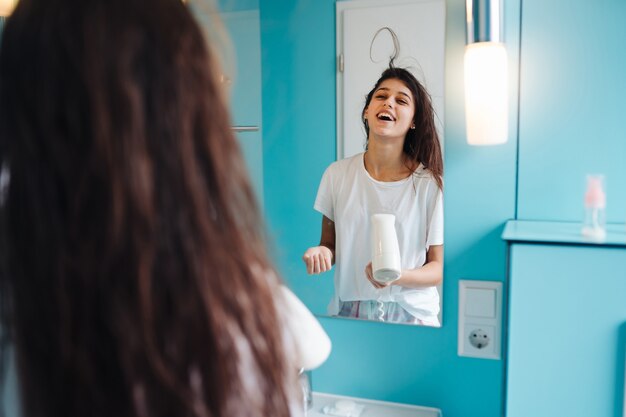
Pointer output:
x,y
324,202
435,226
311,343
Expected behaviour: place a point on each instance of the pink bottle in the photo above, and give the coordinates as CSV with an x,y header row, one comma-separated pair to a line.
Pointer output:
x,y
595,205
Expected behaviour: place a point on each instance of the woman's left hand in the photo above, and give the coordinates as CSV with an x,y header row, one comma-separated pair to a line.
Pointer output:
x,y
369,273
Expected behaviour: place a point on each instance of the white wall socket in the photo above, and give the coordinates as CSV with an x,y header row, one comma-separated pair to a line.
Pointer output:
x,y
480,319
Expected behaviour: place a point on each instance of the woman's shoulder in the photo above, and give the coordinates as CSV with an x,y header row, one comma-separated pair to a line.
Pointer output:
x,y
311,343
425,175
344,165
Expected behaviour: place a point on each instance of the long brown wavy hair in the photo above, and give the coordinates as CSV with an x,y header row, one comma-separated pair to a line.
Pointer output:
x,y
134,278
422,143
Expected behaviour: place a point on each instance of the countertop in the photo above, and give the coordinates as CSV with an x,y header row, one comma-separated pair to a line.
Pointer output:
x,y
549,232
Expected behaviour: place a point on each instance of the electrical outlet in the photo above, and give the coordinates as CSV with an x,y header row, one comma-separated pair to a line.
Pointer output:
x,y
479,338
480,319
479,341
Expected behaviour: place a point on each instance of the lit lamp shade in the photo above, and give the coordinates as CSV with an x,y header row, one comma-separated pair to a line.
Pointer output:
x,y
486,97
6,7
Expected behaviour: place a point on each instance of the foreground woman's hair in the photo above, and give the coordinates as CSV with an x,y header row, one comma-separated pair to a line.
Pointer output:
x,y
134,280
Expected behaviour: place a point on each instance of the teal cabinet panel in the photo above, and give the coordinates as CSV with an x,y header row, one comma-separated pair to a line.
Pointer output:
x,y
244,84
567,317
251,145
244,74
237,5
240,55
236,39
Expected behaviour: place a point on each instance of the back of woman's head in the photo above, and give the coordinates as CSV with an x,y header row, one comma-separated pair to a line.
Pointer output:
x,y
134,280
421,144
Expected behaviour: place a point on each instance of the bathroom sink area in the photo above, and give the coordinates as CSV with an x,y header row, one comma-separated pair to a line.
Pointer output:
x,y
325,405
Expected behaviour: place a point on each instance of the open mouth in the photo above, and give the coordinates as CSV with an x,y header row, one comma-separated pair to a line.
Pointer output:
x,y
386,117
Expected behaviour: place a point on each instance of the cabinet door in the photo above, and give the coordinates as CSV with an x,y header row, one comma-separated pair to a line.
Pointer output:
x,y
245,73
240,55
245,91
567,331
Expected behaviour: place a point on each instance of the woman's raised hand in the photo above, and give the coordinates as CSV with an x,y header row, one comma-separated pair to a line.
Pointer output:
x,y
318,259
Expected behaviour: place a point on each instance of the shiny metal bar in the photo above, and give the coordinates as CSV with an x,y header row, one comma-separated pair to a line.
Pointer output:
x,y
484,21
245,128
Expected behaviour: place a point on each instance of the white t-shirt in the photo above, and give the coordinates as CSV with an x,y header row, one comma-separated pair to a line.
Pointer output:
x,y
311,345
349,196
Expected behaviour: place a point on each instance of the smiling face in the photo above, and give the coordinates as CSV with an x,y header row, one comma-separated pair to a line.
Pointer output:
x,y
391,110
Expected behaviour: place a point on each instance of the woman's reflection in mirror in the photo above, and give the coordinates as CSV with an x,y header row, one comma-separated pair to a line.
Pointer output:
x,y
399,173
134,280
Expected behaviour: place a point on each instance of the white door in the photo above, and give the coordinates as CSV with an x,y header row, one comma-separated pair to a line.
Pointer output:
x,y
420,28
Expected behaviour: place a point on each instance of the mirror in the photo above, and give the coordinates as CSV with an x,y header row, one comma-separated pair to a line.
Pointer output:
x,y
295,112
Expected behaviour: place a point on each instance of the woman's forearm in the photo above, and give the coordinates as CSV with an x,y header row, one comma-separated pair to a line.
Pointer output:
x,y
429,275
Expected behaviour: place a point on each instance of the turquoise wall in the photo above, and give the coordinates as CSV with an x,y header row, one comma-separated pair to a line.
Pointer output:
x,y
572,101
417,365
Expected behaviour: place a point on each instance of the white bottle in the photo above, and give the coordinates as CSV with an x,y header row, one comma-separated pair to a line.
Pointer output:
x,y
594,226
385,249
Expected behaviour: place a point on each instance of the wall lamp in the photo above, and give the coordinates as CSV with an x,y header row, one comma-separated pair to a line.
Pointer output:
x,y
486,74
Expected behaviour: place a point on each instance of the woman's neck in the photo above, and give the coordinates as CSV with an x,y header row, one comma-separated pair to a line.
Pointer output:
x,y
387,162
